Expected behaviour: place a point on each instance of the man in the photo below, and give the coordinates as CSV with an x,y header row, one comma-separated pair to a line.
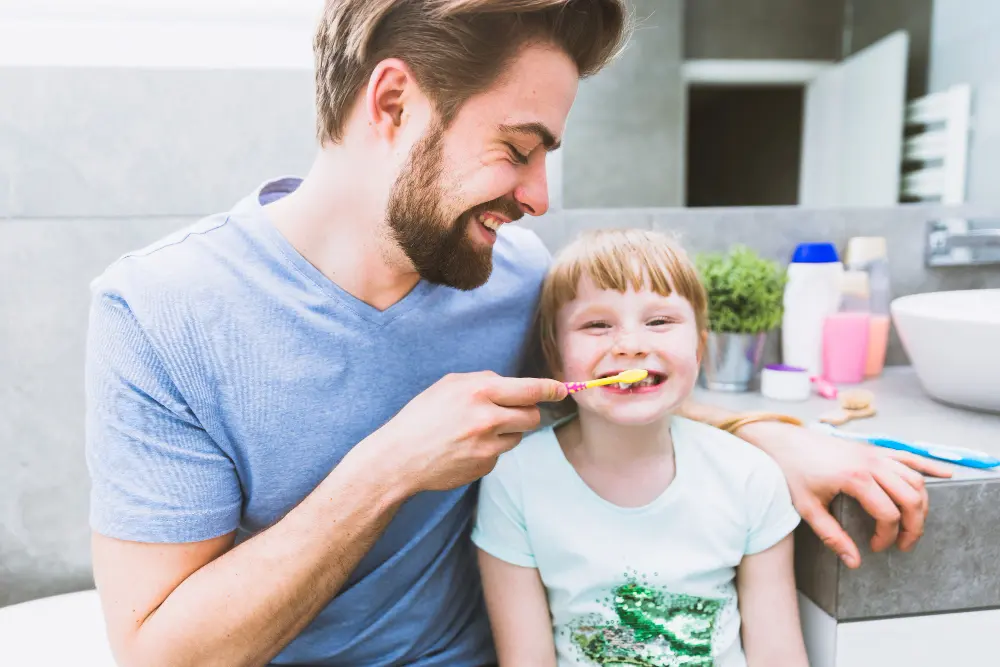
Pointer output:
x,y
287,403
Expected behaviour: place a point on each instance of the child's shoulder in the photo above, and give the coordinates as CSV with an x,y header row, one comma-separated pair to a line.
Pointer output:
x,y
537,452
724,451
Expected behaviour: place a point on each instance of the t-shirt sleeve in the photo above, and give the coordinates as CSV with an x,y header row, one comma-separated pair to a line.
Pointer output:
x,y
771,513
156,475
500,529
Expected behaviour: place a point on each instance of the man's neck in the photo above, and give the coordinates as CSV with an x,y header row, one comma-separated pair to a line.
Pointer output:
x,y
336,221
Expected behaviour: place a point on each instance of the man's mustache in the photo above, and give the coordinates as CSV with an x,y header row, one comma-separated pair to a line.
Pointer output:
x,y
501,206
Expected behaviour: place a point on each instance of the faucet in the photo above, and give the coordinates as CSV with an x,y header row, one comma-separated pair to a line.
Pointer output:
x,y
961,242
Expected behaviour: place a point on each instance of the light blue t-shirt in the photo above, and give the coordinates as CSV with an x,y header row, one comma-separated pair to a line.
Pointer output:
x,y
226,376
651,585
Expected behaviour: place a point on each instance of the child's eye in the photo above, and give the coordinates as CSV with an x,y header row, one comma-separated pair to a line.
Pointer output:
x,y
596,325
661,321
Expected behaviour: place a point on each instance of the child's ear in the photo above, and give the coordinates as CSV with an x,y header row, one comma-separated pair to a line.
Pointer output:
x,y
702,342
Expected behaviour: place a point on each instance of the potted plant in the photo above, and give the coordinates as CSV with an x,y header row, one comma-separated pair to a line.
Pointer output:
x,y
745,302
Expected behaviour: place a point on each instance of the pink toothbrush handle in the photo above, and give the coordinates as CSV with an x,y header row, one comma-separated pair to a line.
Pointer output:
x,y
574,387
824,388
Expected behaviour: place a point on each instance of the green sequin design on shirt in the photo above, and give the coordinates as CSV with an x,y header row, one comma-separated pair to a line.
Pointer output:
x,y
654,629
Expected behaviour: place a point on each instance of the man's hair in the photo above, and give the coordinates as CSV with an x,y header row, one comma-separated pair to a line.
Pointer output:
x,y
456,48
616,259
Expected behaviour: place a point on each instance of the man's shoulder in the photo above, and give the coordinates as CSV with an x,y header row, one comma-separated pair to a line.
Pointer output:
x,y
173,265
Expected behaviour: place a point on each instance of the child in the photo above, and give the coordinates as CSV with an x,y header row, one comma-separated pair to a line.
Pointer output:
x,y
623,535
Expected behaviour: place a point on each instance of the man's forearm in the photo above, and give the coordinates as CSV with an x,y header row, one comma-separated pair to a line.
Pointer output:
x,y
244,607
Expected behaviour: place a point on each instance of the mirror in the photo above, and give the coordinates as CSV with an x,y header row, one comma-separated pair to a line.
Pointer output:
x,y
817,103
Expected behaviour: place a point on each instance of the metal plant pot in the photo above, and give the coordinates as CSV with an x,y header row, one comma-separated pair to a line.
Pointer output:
x,y
732,361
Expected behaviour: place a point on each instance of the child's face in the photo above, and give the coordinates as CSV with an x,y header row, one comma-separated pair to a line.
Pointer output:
x,y
603,332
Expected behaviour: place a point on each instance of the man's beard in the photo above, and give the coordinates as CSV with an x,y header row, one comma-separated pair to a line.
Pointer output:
x,y
438,246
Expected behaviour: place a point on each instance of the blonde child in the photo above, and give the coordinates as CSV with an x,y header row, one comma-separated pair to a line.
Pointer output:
x,y
624,535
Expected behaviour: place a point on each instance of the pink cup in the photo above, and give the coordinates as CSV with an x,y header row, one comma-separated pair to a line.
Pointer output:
x,y
845,347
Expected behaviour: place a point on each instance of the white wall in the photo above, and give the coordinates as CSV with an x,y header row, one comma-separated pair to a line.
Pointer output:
x,y
965,49
158,33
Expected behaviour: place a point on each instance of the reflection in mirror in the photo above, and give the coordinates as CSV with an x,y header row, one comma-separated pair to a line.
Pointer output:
x,y
818,103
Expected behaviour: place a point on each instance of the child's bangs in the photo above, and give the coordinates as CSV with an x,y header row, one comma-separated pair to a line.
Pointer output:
x,y
619,261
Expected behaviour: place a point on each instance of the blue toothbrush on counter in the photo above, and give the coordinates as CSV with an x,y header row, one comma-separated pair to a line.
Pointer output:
x,y
957,455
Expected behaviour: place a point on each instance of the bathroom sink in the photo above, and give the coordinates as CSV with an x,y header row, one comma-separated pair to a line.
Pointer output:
x,y
953,341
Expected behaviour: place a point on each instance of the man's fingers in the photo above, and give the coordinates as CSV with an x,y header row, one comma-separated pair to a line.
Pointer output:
x,y
524,392
922,464
831,533
913,504
879,505
517,420
912,477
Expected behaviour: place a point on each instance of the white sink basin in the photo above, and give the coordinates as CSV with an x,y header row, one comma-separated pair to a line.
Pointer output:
x,y
953,341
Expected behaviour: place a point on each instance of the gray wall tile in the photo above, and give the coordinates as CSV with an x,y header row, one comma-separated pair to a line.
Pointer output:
x,y
763,29
130,142
44,484
624,142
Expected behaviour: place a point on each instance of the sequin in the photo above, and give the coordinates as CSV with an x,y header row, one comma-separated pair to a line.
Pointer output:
x,y
654,628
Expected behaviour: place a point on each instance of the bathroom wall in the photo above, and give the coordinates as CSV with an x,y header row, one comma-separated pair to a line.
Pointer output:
x,y
965,49
763,29
624,142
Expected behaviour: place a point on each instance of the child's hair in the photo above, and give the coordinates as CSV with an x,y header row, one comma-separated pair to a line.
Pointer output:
x,y
617,259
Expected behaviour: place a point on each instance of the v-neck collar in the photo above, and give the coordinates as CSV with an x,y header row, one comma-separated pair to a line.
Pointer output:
x,y
275,189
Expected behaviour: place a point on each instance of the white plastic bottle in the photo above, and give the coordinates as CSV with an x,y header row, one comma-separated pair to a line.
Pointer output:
x,y
811,295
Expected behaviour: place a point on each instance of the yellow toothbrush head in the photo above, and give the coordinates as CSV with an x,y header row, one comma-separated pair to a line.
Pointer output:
x,y
632,375
627,377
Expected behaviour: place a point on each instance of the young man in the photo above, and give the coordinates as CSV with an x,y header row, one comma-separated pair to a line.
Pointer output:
x,y
288,402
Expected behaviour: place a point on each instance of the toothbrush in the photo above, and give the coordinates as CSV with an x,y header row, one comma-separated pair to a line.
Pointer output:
x,y
626,377
957,455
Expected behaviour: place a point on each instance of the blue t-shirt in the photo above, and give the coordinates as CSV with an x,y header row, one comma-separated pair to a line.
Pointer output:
x,y
226,377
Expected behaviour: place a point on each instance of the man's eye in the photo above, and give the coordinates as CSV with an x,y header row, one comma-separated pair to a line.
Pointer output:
x,y
517,155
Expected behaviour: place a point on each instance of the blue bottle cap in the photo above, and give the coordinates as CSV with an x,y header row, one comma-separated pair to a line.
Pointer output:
x,y
815,253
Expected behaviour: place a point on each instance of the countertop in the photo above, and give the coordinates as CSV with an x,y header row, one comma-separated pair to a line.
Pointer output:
x,y
903,411
954,566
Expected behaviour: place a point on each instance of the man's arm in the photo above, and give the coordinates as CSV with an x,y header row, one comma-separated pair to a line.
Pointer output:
x,y
519,613
199,604
818,467
205,603
765,588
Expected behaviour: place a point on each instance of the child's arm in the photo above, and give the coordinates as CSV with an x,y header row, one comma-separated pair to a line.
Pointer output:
x,y
519,613
769,613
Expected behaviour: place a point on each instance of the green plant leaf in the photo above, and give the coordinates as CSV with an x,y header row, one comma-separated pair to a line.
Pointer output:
x,y
745,291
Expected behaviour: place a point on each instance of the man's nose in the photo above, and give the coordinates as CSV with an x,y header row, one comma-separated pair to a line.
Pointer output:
x,y
532,194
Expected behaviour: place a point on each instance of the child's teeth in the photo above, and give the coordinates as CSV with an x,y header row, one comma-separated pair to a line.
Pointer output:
x,y
624,385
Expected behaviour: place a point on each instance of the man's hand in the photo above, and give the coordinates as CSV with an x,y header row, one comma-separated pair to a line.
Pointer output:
x,y
452,433
818,467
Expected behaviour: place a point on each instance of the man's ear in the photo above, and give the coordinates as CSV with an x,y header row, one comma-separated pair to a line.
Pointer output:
x,y
394,101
